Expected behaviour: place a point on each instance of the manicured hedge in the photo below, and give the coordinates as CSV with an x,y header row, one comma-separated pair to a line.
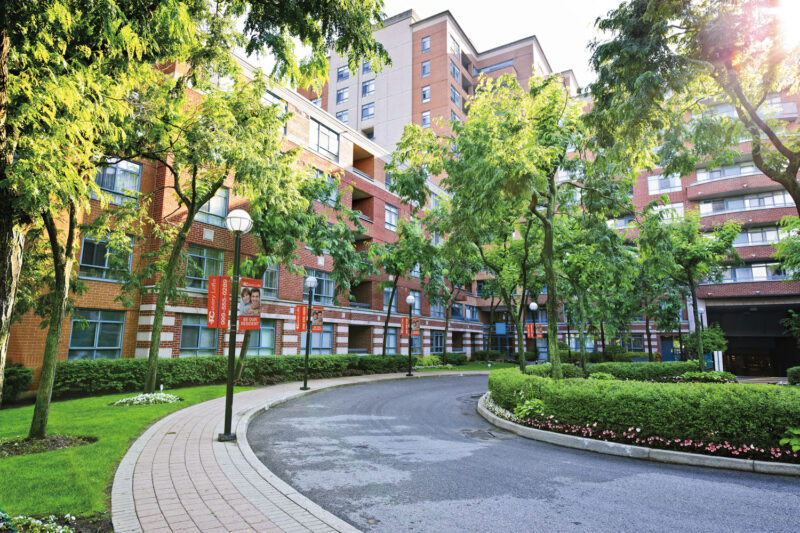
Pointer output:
x,y
82,378
644,371
17,378
546,370
793,374
454,358
742,415
487,355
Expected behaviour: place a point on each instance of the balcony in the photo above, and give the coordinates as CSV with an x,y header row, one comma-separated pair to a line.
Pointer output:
x,y
360,173
705,190
748,217
362,294
363,203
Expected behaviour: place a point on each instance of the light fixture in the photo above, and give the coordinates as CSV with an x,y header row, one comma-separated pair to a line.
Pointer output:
x,y
311,282
533,306
239,221
410,299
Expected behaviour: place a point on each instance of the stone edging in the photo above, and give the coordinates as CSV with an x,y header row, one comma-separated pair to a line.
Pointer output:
x,y
638,452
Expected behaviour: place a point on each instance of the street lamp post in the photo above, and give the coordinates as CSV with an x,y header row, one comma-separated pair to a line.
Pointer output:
x,y
238,222
534,307
410,302
311,284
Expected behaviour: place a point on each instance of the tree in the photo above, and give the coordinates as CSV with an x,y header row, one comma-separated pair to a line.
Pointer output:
x,y
687,255
712,339
668,60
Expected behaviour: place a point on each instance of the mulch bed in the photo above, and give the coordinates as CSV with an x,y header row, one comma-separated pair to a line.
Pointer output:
x,y
14,447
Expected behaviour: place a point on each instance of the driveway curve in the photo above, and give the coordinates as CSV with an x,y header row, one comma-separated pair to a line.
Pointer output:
x,y
415,456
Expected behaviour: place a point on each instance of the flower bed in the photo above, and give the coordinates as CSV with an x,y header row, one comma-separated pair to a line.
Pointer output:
x,y
634,436
148,399
26,523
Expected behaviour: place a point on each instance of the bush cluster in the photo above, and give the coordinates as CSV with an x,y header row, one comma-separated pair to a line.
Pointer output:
x,y
454,358
81,378
793,374
487,355
645,371
546,370
17,379
711,376
752,415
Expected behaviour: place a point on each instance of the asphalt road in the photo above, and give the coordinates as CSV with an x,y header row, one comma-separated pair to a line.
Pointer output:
x,y
415,456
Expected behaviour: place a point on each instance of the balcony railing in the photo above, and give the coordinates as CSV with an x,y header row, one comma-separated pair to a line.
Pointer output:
x,y
360,305
361,173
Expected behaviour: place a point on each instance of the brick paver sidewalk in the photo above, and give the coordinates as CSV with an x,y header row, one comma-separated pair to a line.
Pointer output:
x,y
177,477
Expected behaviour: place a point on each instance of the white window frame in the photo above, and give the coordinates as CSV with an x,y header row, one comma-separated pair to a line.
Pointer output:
x,y
425,121
425,69
391,216
426,94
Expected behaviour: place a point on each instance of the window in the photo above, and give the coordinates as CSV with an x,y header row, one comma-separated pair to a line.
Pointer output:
x,y
470,312
624,221
324,140
387,293
270,282
455,97
746,203
496,66
455,72
391,340
342,73
426,119
262,341
342,95
366,68
215,210
101,338
94,260
660,183
426,69
481,288
323,294
196,338
455,311
754,272
437,310
454,48
727,171
321,343
368,111
387,180
437,341
368,87
201,263
415,271
317,101
436,239
454,116
758,237
119,179
673,211
426,94
426,44
416,342
343,115
390,217
417,308
334,194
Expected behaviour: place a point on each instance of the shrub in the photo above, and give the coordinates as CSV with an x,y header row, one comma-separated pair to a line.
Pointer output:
x,y
755,414
430,360
712,376
455,358
644,371
793,375
531,406
614,353
16,379
601,375
532,356
486,355
546,370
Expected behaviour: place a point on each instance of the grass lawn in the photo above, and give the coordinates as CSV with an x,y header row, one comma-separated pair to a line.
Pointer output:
x,y
471,365
76,480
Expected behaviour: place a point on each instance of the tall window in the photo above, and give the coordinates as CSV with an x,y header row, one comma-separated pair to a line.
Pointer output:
x,y
215,210
334,192
454,48
270,282
426,94
426,119
324,140
368,111
342,95
426,69
426,44
455,96
415,271
437,310
343,115
95,257
387,293
99,337
454,116
321,343
661,183
455,72
262,341
196,338
119,180
417,309
342,73
470,312
323,294
437,341
391,340
390,217
416,342
368,87
201,263
366,68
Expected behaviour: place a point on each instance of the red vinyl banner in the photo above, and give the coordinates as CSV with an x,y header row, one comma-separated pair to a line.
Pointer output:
x,y
415,326
316,319
213,302
300,315
404,325
529,330
224,302
250,304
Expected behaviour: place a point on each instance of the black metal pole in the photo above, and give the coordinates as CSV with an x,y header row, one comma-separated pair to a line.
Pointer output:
x,y
308,340
535,340
410,336
569,335
228,435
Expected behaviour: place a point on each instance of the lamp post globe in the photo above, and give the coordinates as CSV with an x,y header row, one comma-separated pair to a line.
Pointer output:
x,y
410,301
239,221
533,306
310,284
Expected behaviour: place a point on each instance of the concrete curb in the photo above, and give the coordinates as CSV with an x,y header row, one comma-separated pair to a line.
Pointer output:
x,y
638,452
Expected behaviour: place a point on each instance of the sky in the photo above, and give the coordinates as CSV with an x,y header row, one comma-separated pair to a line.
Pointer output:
x,y
564,27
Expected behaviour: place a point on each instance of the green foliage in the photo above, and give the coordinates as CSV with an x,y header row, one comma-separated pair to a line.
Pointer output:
x,y
455,358
546,370
532,356
791,438
618,354
531,406
792,325
430,360
713,340
644,371
17,379
742,415
793,375
711,376
487,355
601,376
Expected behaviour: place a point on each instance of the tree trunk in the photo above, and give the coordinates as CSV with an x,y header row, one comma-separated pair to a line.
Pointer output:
x,y
603,337
166,281
697,329
446,331
582,332
242,355
12,242
492,307
520,341
552,292
388,316
647,332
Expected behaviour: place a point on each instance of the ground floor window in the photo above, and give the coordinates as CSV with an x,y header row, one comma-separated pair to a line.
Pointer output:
x,y
321,343
437,341
96,334
635,342
262,341
391,340
196,338
575,342
416,342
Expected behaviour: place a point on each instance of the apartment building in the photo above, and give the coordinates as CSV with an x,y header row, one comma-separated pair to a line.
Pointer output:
x,y
334,149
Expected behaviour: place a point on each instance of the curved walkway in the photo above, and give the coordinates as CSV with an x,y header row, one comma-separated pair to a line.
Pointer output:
x,y
177,477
